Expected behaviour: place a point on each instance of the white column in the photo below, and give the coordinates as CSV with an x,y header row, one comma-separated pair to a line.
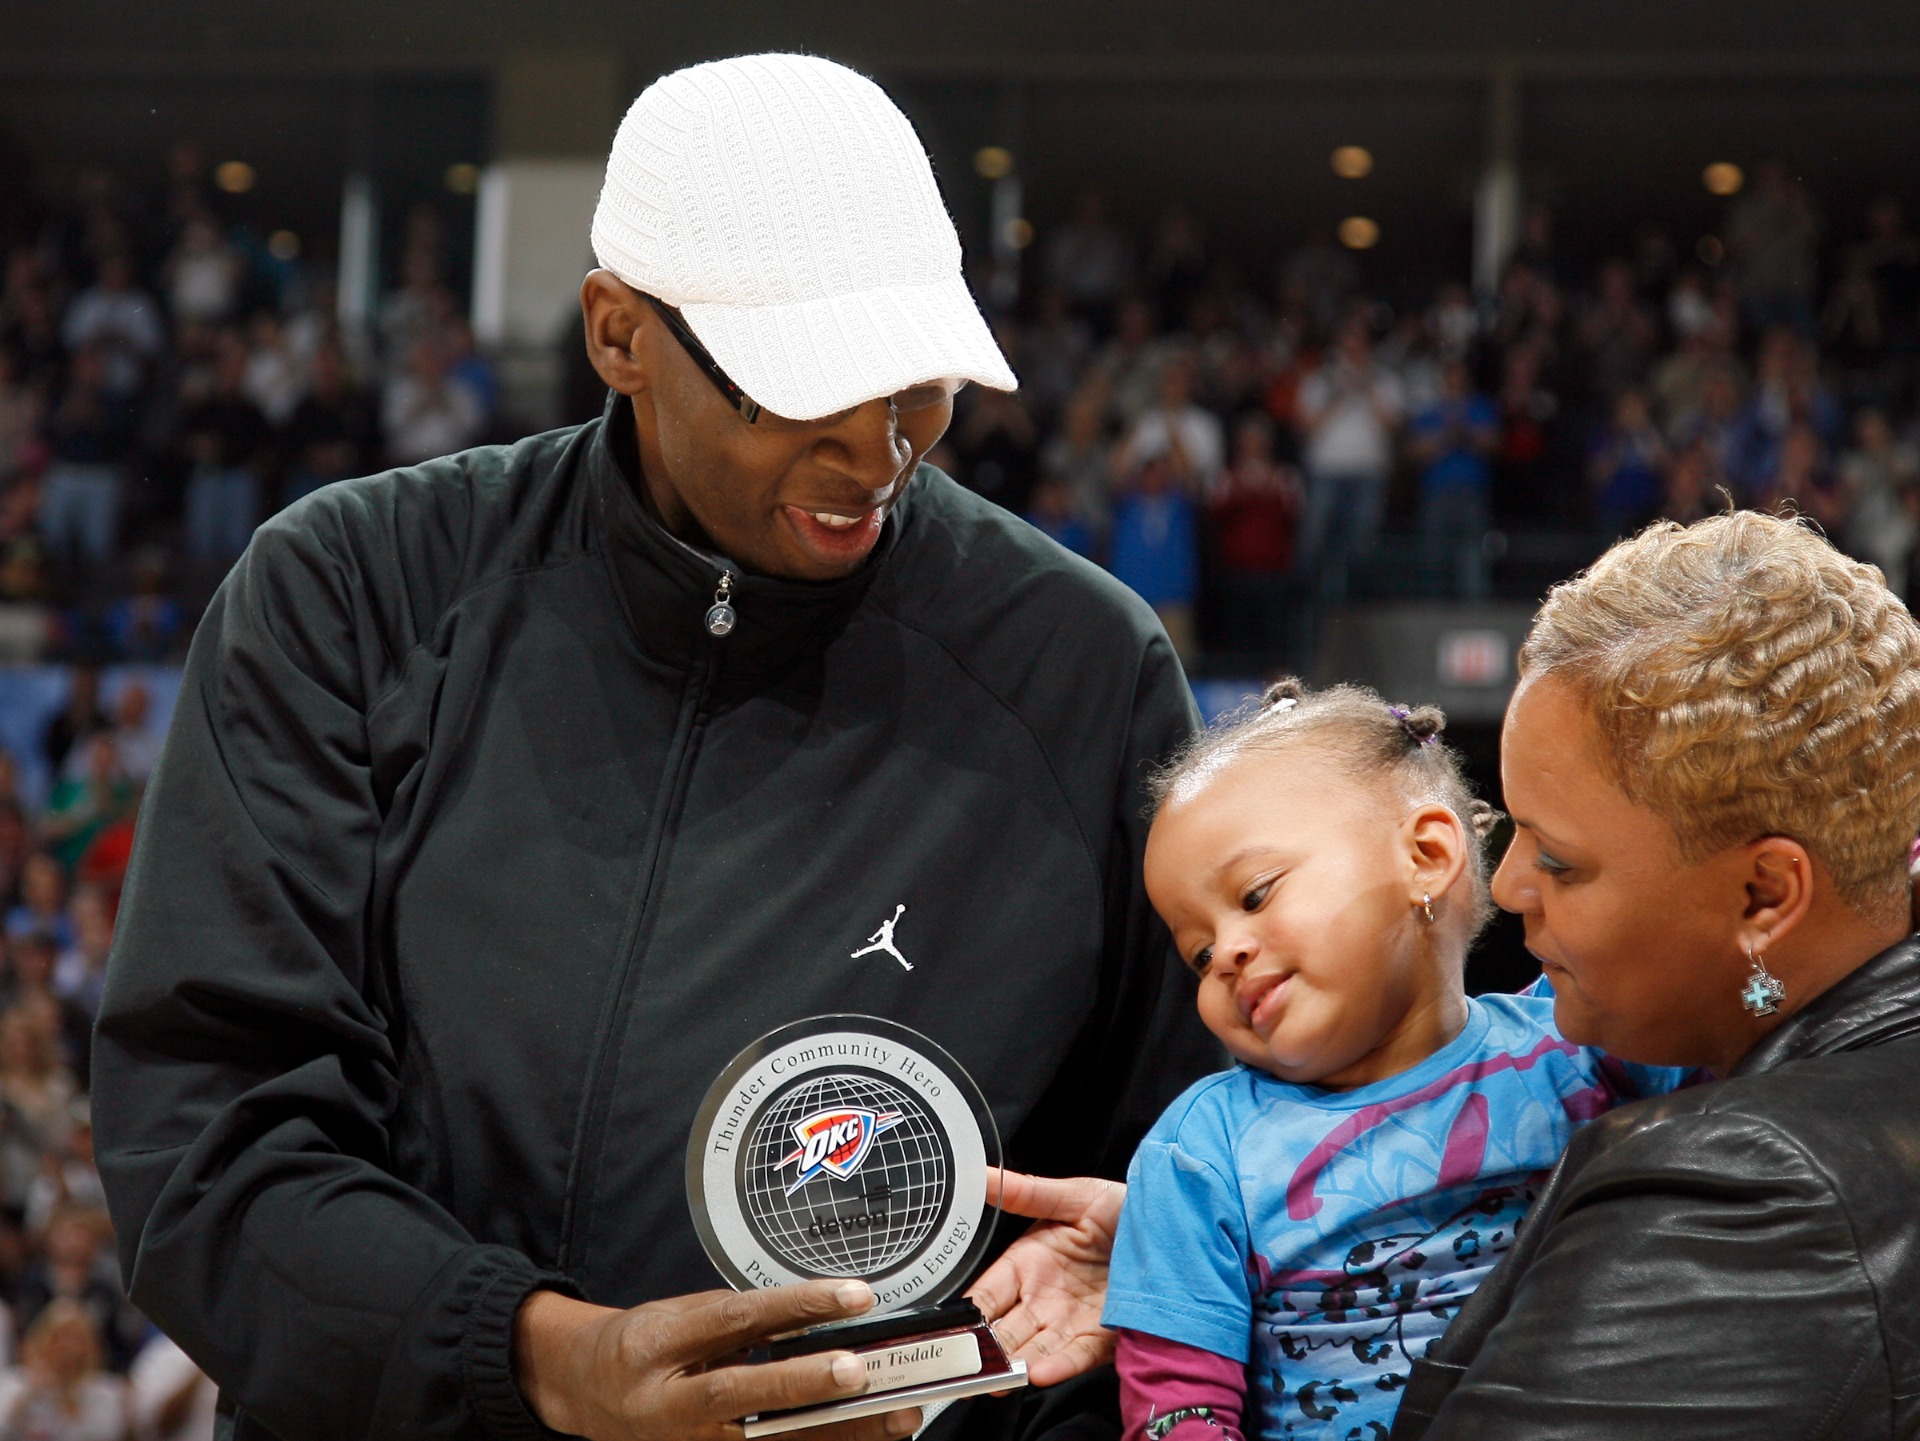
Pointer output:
x,y
1008,202
1496,200
358,303
554,113
1007,208
531,250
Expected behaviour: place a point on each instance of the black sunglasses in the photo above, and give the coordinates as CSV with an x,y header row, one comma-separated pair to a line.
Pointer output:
x,y
751,411
748,407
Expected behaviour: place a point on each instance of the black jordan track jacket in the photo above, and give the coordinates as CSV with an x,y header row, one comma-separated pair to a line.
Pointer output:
x,y
473,856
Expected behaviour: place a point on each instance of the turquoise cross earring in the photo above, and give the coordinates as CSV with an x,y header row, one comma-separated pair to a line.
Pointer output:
x,y
1763,991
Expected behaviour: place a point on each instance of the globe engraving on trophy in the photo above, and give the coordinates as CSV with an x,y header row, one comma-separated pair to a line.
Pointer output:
x,y
845,1175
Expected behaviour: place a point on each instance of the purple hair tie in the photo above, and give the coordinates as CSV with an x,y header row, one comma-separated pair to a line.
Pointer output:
x,y
1403,715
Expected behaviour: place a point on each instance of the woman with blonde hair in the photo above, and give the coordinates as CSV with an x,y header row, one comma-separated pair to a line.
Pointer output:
x,y
60,1392
33,1083
1713,766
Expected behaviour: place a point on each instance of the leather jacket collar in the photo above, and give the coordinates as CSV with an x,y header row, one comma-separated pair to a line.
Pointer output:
x,y
1877,1003
667,585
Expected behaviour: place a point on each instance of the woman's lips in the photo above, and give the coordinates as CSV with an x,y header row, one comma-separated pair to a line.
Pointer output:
x,y
834,537
1260,1000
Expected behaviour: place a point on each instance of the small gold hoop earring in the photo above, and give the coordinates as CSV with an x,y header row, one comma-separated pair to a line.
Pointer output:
x,y
1426,908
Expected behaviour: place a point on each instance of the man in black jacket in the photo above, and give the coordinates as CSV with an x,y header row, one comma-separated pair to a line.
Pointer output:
x,y
509,795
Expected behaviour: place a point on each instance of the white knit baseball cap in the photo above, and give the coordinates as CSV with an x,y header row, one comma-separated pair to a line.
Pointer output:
x,y
785,206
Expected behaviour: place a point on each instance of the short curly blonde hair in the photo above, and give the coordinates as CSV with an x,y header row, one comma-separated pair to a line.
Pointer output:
x,y
1749,680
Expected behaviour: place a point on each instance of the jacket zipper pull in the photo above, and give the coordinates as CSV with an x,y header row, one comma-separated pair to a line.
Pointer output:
x,y
721,616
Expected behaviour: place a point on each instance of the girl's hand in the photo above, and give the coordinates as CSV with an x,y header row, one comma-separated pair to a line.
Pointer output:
x,y
1045,1293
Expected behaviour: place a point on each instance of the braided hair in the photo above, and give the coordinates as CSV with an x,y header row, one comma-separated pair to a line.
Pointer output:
x,y
1378,741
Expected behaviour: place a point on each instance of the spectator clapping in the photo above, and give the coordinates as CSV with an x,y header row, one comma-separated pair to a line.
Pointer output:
x,y
77,1361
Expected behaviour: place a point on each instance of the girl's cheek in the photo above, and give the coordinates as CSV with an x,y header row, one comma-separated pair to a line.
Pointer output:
x,y
1216,1007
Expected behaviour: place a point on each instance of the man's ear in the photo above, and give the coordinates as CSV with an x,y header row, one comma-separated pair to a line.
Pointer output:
x,y
619,323
1779,883
1437,849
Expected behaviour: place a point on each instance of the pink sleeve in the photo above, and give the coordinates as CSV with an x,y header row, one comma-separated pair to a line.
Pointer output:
x,y
1174,1392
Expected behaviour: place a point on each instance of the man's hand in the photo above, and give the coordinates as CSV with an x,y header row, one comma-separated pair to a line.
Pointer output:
x,y
1045,1292
668,1370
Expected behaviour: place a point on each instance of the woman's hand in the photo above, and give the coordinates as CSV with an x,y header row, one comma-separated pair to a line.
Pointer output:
x,y
1045,1293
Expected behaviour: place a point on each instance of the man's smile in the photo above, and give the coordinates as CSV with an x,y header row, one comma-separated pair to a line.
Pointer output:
x,y
834,537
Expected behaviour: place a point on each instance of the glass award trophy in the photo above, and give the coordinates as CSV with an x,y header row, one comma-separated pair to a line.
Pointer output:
x,y
849,1146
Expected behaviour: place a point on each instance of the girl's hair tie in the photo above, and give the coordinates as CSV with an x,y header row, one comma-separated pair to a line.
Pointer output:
x,y
1424,732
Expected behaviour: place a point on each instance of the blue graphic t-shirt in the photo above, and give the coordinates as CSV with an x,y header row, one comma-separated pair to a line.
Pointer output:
x,y
1325,1238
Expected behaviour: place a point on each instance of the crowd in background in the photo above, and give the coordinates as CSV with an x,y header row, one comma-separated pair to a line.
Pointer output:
x,y
1239,457
169,377
77,1362
1238,452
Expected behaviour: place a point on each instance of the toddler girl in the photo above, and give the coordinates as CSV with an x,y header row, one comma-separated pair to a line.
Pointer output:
x,y
1298,1229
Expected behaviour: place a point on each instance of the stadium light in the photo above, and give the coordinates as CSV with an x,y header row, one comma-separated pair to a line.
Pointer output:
x,y
1357,232
993,162
1352,162
1723,178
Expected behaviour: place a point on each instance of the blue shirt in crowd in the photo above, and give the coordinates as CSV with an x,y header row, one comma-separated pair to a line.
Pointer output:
x,y
1156,548
1632,486
1325,1238
1459,466
1067,530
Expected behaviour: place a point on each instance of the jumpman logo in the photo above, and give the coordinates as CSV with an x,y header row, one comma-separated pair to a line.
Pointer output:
x,y
882,940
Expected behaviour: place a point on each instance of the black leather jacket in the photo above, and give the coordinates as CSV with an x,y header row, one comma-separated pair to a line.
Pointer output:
x,y
1738,1261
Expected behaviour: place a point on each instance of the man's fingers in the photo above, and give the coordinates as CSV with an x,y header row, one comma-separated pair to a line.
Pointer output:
x,y
890,1427
1040,1342
996,1291
1045,1198
1016,1329
733,1319
693,1302
1051,1370
727,1393
1080,1355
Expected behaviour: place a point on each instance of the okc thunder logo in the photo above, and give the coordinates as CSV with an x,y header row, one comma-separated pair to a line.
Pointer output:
x,y
835,1141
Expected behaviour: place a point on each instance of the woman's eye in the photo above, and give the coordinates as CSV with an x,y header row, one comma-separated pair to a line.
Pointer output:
x,y
1257,897
1552,865
1201,960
